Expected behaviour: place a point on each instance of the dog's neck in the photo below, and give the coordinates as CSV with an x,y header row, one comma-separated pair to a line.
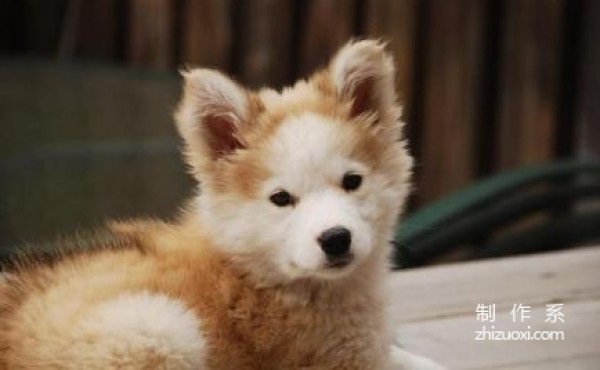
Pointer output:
x,y
365,284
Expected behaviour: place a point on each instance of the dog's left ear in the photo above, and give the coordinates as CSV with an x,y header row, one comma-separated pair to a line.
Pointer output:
x,y
363,72
209,118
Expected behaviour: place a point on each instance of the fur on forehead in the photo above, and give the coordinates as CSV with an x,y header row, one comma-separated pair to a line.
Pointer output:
x,y
224,125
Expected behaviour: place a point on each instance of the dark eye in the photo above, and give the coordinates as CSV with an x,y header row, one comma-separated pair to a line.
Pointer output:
x,y
281,198
351,181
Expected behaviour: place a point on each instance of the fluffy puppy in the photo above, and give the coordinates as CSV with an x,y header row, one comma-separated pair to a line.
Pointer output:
x,y
281,260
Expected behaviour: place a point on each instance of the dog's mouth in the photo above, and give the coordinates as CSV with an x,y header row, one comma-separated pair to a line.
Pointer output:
x,y
332,268
340,262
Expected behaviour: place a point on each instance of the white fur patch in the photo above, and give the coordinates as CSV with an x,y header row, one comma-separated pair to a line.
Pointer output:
x,y
310,155
307,156
143,329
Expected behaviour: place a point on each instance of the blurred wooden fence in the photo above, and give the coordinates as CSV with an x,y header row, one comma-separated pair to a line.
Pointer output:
x,y
487,84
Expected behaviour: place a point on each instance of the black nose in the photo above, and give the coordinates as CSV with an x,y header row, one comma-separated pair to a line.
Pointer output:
x,y
335,241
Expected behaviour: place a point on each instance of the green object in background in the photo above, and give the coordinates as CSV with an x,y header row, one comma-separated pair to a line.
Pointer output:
x,y
435,219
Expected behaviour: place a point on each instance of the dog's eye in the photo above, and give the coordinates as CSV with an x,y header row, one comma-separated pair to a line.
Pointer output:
x,y
351,181
281,198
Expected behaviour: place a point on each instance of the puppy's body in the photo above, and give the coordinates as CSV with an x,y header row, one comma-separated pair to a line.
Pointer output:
x,y
280,263
210,313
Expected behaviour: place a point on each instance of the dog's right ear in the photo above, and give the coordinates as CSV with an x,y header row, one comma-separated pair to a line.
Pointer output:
x,y
209,117
362,73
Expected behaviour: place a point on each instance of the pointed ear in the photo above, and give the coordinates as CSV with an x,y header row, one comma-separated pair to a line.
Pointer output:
x,y
209,117
363,73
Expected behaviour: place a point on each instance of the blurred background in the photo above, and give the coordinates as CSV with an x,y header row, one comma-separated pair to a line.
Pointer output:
x,y
87,89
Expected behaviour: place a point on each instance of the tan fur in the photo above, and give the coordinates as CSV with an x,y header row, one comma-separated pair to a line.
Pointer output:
x,y
248,328
248,322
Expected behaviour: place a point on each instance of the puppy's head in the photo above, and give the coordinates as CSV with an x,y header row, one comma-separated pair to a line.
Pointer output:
x,y
305,183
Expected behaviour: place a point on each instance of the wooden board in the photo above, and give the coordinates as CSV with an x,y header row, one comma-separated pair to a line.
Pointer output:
x,y
447,159
42,25
529,82
487,85
10,34
206,33
151,33
266,44
99,30
395,21
436,315
327,25
587,140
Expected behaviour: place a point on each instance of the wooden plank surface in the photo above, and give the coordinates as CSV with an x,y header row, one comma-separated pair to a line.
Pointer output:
x,y
395,21
41,25
266,45
447,157
327,25
587,140
151,33
99,30
10,29
206,33
436,316
529,85
484,101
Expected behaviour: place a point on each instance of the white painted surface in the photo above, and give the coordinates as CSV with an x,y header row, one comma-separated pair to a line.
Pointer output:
x,y
436,306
